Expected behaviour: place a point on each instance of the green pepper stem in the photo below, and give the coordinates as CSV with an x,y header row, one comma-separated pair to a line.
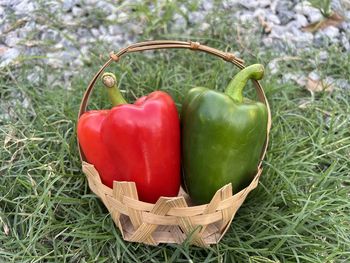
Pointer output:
x,y
237,84
110,81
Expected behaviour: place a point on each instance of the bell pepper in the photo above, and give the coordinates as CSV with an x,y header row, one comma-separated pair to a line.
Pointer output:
x,y
137,142
223,136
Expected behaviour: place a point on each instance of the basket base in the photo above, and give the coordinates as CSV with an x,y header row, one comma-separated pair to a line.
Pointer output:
x,y
171,234
170,219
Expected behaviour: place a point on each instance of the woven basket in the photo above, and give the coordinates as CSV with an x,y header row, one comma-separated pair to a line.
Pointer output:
x,y
170,219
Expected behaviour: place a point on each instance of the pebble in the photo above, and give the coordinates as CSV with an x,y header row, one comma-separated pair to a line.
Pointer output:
x,y
57,59
338,5
304,8
91,2
30,26
77,11
204,27
320,40
347,14
207,5
12,39
314,15
331,32
273,19
304,39
258,12
135,30
345,27
284,12
68,4
103,30
106,7
67,19
264,3
123,17
36,75
249,4
95,32
84,32
300,20
179,23
85,40
268,41
287,77
112,17
342,83
74,42
196,17
8,56
267,15
323,55
25,101
114,40
314,76
344,40
247,17
24,7
50,35
273,67
227,4
78,62
114,29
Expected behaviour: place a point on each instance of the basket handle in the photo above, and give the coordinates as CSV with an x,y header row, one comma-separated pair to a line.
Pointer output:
x,y
163,44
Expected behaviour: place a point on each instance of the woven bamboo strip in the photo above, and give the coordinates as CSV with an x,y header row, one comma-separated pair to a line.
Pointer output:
x,y
117,195
186,225
116,204
226,192
129,189
210,209
145,230
176,211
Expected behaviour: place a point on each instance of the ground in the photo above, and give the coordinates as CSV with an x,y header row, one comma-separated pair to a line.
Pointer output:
x,y
49,52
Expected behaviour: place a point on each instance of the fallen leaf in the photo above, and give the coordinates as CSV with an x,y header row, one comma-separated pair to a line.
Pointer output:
x,y
267,27
5,226
3,50
6,230
9,137
334,19
319,86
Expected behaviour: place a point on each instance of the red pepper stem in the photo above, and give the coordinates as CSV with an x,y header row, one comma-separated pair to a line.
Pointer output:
x,y
237,84
110,81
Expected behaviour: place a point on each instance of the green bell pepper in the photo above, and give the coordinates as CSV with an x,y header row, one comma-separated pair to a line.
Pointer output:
x,y
223,137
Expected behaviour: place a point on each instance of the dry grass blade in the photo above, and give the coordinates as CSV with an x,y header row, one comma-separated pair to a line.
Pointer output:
x,y
334,19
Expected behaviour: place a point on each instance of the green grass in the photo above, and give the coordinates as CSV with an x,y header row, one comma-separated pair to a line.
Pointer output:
x,y
299,212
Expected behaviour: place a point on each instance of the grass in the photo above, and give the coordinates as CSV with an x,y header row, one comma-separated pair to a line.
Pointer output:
x,y
299,212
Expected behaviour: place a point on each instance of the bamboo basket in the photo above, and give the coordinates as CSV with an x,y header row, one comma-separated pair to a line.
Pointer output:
x,y
170,219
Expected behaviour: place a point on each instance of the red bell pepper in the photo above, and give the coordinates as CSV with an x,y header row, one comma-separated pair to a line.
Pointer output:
x,y
139,142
